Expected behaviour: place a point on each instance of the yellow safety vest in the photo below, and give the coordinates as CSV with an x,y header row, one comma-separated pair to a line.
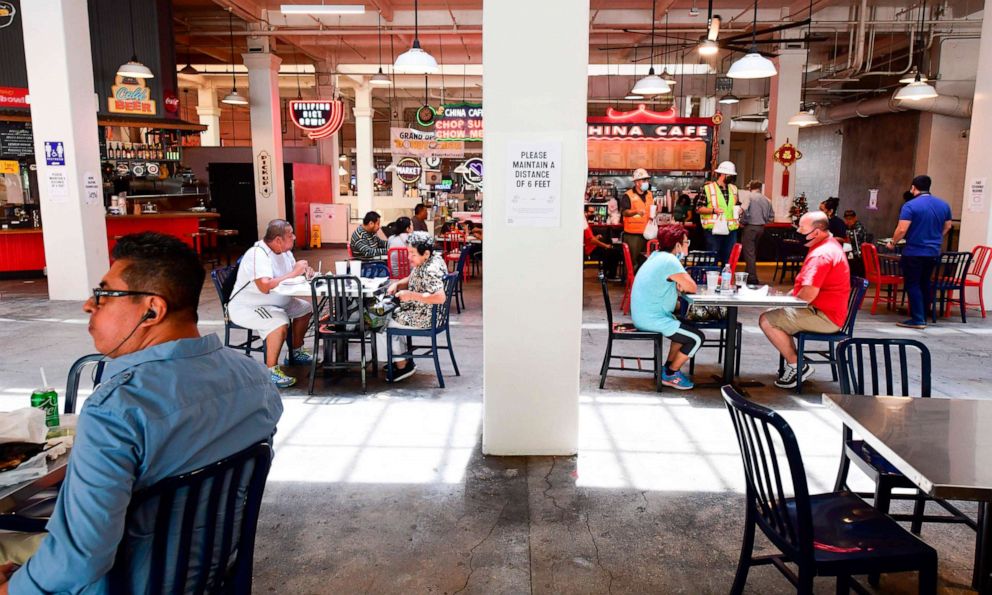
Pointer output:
x,y
716,200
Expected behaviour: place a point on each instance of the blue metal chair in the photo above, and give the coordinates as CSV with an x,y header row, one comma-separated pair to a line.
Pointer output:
x,y
440,313
949,276
869,367
463,258
228,494
859,287
375,269
698,274
832,535
76,374
219,276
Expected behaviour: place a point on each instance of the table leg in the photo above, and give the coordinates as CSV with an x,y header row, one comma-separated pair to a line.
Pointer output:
x,y
980,580
730,349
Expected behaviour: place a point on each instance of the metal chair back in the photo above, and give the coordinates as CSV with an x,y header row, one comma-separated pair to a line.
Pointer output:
x,y
212,511
951,270
440,313
652,246
777,498
700,258
628,264
881,367
735,255
873,266
981,257
76,374
399,263
606,300
335,299
859,287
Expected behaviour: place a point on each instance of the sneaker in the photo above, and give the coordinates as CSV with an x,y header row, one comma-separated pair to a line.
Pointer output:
x,y
300,357
280,379
403,373
912,324
678,380
788,378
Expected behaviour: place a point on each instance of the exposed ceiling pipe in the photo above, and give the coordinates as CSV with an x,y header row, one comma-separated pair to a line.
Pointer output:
x,y
945,105
751,126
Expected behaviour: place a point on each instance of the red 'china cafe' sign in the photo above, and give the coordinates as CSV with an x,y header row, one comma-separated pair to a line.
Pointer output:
x,y
13,97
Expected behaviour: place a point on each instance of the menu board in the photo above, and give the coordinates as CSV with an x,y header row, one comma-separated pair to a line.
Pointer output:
x,y
16,139
683,155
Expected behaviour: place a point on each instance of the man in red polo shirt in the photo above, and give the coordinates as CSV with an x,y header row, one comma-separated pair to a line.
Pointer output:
x,y
825,283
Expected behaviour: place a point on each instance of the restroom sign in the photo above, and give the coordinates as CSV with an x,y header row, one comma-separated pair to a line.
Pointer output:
x,y
54,152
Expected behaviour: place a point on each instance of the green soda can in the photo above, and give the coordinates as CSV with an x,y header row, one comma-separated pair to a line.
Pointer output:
x,y
47,399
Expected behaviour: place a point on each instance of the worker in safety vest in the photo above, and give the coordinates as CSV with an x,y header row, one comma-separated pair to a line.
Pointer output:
x,y
719,213
634,206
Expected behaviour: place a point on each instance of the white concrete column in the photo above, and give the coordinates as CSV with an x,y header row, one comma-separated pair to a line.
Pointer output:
x,y
786,93
63,110
208,109
976,219
266,137
363,147
330,147
532,309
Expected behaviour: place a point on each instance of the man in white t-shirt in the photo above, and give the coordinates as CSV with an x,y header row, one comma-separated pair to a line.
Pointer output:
x,y
253,305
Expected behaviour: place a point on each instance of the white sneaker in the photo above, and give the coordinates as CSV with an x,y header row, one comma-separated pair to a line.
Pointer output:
x,y
788,378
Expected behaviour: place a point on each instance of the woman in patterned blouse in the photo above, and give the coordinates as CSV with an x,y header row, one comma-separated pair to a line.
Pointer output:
x,y
418,294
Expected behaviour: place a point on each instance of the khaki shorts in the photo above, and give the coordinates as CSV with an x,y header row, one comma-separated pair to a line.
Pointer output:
x,y
797,320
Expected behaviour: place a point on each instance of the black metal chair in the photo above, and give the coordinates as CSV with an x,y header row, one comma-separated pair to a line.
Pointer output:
x,y
701,258
790,252
698,274
831,535
338,309
440,314
949,276
859,287
219,277
625,331
869,367
463,258
76,374
215,509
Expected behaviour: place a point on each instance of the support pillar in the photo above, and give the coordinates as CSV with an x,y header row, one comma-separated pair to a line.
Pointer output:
x,y
266,137
363,147
786,93
208,109
63,112
976,212
532,315
330,147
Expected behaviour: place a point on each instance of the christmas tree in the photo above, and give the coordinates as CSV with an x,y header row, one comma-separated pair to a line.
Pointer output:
x,y
798,209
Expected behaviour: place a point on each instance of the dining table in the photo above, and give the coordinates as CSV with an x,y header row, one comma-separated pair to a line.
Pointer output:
x,y
942,445
733,301
13,497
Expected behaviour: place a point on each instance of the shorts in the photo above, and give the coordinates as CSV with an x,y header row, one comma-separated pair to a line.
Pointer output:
x,y
265,319
689,337
798,320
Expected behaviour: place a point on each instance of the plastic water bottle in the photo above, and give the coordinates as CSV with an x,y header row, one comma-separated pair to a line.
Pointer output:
x,y
727,279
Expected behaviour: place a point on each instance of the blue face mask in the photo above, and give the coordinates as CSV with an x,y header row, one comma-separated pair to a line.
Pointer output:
x,y
680,256
645,186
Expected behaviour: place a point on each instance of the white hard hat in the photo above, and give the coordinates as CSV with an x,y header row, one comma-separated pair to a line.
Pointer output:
x,y
640,174
727,167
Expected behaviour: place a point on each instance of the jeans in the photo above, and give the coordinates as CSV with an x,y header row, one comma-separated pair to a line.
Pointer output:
x,y
917,271
722,245
750,238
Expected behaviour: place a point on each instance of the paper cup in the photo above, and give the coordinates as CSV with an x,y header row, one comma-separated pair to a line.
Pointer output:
x,y
341,268
355,268
741,279
712,280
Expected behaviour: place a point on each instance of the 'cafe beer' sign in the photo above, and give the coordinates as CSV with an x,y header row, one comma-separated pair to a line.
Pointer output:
x,y
131,96
318,118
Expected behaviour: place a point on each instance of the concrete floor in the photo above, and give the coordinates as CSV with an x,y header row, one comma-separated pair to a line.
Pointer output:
x,y
388,492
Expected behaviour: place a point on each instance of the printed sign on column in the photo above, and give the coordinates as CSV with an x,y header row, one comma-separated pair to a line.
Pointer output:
x,y
976,195
263,168
54,152
533,184
91,189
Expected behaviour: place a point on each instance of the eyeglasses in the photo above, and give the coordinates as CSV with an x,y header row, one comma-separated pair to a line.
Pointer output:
x,y
109,293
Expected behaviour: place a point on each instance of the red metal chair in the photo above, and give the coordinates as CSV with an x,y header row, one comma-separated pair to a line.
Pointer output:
x,y
879,278
399,263
735,255
651,248
980,259
628,264
350,253
452,243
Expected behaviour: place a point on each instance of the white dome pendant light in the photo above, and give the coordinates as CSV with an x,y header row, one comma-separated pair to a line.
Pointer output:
x,y
380,79
233,98
753,65
415,60
806,116
133,68
652,84
918,88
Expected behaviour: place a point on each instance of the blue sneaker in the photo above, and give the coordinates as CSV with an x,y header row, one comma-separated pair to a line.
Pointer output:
x,y
678,380
279,378
300,357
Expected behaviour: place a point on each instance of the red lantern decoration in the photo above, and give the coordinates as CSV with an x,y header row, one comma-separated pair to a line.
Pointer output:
x,y
787,155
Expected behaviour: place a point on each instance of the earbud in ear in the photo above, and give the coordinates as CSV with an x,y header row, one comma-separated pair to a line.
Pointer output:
x,y
150,314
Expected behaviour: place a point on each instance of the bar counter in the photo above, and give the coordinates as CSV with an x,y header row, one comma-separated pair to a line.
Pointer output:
x,y
24,249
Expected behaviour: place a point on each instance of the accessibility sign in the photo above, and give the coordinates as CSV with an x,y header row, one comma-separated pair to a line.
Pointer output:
x,y
54,152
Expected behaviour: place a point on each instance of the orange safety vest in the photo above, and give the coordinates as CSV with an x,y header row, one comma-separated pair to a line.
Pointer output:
x,y
636,224
716,200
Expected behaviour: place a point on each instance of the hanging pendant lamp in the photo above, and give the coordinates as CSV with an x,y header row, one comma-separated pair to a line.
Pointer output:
x,y
665,75
380,79
652,84
233,98
415,60
806,116
918,88
708,45
133,68
753,65
730,99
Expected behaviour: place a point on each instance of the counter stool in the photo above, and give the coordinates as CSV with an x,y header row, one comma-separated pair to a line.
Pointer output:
x,y
225,241
208,246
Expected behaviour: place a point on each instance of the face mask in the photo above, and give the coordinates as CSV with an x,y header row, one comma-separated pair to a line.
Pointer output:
x,y
645,186
811,237
681,256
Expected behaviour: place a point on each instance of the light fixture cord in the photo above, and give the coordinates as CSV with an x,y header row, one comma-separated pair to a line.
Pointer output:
x,y
754,27
809,36
230,26
654,7
379,31
609,91
919,65
416,22
130,9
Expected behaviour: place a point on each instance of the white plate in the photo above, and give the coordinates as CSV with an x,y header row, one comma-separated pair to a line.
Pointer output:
x,y
295,281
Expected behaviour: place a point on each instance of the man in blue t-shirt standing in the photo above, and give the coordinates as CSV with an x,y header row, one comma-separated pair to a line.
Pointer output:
x,y
923,221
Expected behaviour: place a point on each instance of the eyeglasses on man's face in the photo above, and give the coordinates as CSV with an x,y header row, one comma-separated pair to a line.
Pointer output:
x,y
101,293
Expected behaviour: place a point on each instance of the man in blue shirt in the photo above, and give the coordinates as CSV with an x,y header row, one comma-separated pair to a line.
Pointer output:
x,y
170,402
923,221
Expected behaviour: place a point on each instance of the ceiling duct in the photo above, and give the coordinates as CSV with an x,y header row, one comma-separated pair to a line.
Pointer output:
x,y
945,105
